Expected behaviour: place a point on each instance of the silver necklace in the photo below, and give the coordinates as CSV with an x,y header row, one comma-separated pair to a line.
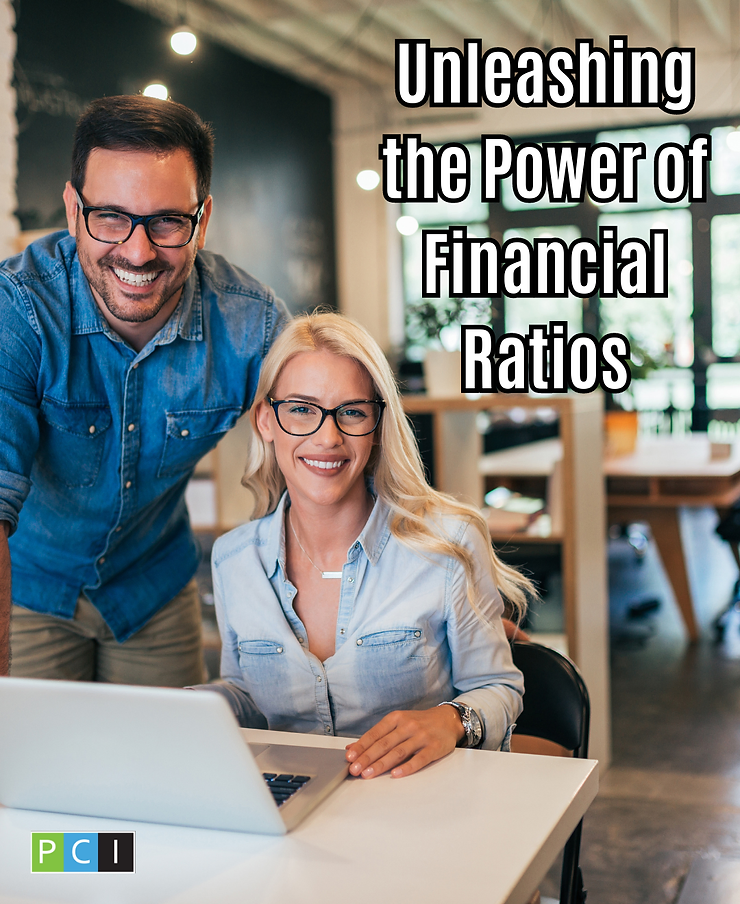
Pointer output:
x,y
324,574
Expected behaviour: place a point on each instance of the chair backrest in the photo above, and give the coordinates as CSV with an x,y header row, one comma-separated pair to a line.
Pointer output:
x,y
556,702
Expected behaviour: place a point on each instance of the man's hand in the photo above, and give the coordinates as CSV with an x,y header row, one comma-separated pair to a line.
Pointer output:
x,y
406,741
4,599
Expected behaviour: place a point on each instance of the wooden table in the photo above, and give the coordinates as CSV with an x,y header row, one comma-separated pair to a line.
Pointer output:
x,y
663,474
478,826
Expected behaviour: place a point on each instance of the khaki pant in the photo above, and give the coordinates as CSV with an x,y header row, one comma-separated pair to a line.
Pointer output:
x,y
166,652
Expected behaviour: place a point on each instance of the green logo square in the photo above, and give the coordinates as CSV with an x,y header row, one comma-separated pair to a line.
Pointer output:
x,y
47,852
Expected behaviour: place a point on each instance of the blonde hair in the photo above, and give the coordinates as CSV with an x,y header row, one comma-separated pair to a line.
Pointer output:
x,y
397,473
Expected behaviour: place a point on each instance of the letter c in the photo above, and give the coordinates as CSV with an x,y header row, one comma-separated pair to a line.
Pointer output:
x,y
74,849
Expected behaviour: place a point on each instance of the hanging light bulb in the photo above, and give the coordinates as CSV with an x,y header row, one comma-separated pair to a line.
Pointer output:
x,y
407,225
368,179
183,41
156,90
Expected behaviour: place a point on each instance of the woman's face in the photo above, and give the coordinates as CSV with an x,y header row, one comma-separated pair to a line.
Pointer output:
x,y
326,467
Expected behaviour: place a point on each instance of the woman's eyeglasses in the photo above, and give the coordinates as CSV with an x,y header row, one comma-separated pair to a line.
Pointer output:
x,y
304,418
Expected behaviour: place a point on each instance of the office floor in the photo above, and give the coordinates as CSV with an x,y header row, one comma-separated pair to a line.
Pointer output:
x,y
671,801
670,804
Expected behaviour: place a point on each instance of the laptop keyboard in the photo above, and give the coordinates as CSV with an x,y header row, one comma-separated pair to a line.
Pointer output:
x,y
284,786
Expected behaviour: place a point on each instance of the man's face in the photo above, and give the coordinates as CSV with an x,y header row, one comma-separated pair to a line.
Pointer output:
x,y
136,280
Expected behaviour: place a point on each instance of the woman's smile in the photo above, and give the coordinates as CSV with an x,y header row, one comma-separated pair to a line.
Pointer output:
x,y
327,467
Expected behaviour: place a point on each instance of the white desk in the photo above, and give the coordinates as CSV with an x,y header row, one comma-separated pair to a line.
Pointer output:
x,y
497,819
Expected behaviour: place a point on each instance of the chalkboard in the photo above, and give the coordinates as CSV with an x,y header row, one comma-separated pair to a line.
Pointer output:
x,y
272,180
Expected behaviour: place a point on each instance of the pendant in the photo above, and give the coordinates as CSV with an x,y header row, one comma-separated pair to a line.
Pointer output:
x,y
331,574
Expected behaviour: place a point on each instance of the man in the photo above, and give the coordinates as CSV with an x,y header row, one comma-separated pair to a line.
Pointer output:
x,y
126,353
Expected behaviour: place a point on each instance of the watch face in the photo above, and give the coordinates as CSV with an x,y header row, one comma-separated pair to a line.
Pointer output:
x,y
477,728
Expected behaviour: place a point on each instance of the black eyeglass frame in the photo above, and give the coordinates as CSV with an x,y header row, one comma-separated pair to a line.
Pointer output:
x,y
193,217
325,412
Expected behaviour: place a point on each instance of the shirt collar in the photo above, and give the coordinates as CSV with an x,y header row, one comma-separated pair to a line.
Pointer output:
x,y
372,539
273,550
186,320
376,532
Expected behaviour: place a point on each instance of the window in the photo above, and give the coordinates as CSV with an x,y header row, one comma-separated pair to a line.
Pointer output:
x,y
694,331
473,214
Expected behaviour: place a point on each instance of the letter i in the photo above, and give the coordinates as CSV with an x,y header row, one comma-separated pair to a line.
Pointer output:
x,y
557,357
115,850
458,266
617,70
607,241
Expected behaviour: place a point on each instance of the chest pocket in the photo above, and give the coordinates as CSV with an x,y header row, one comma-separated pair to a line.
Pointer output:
x,y
190,434
72,440
391,667
264,666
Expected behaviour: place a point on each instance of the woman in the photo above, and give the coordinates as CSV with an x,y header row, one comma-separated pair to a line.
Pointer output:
x,y
359,600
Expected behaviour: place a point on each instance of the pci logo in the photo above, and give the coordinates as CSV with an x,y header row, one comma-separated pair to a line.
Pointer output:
x,y
82,852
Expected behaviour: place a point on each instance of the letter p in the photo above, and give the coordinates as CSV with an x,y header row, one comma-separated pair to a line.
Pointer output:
x,y
44,850
47,852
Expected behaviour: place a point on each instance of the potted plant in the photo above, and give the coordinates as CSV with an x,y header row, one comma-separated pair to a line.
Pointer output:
x,y
620,424
433,324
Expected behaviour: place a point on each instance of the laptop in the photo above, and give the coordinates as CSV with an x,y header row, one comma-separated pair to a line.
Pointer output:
x,y
152,755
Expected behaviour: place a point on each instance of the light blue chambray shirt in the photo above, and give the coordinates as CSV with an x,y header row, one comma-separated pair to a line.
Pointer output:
x,y
406,637
97,441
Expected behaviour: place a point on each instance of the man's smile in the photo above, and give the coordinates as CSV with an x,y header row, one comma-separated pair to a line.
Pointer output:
x,y
135,279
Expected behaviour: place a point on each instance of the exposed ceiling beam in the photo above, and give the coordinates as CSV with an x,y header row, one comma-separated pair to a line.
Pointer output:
x,y
412,20
594,20
717,16
299,23
257,40
655,15
477,20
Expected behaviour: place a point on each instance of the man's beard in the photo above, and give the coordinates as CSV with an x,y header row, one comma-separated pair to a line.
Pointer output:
x,y
129,309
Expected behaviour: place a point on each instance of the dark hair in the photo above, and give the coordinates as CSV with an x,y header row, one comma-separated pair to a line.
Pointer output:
x,y
136,123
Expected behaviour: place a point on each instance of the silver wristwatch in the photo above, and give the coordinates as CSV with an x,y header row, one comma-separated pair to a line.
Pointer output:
x,y
471,723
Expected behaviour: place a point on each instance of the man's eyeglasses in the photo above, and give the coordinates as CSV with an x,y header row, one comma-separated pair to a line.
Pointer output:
x,y
114,227
304,418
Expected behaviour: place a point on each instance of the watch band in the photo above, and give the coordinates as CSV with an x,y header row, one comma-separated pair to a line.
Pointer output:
x,y
471,723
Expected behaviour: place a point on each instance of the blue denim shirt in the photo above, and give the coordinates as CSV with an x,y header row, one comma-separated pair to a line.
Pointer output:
x,y
98,441
407,636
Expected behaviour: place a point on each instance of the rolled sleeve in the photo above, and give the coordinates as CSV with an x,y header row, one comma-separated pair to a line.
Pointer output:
x,y
20,355
242,705
483,671
13,492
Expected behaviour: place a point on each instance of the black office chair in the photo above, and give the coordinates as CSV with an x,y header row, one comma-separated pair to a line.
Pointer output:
x,y
556,708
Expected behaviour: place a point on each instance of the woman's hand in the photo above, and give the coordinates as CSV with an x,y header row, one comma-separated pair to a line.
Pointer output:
x,y
406,741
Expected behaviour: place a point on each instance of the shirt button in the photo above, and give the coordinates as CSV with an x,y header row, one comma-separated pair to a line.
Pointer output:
x,y
357,545
327,730
131,428
341,630
417,633
301,640
136,365
184,433
279,650
359,642
350,580
91,428
318,679
118,529
128,484
101,560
